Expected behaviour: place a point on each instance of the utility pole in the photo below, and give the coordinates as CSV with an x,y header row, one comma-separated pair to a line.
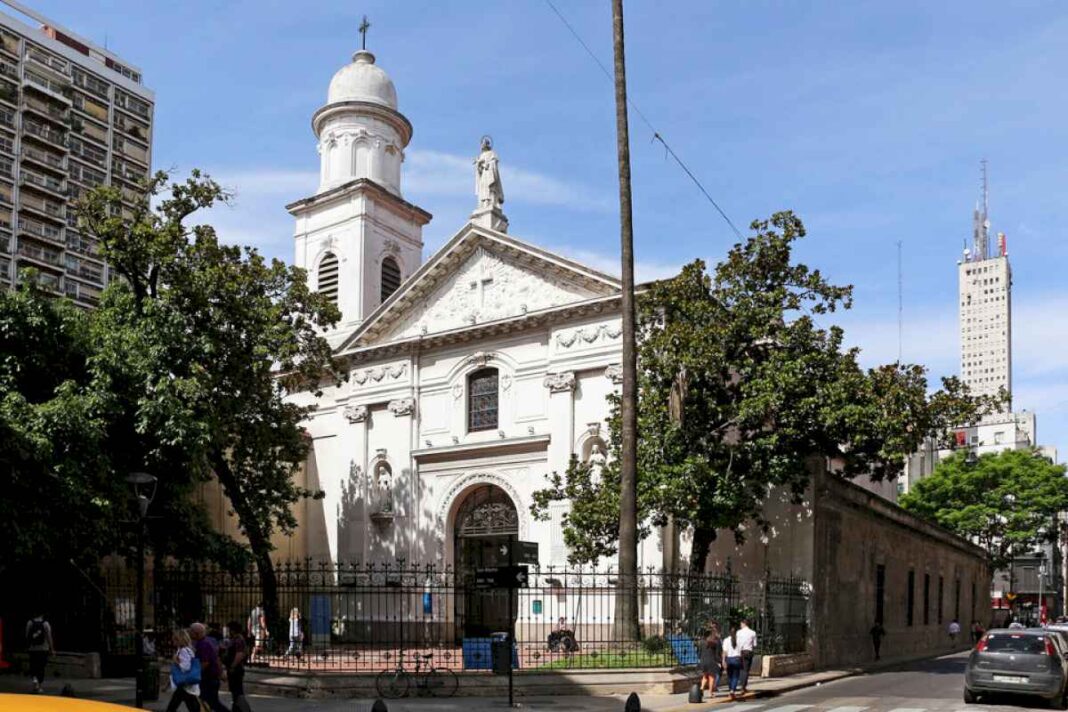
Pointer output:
x,y
627,585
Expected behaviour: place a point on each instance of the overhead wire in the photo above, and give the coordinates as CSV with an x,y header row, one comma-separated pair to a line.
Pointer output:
x,y
657,136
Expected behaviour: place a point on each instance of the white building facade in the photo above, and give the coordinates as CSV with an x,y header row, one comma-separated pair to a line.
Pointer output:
x,y
472,376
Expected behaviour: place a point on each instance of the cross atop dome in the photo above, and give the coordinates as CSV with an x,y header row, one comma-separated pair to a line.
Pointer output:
x,y
364,26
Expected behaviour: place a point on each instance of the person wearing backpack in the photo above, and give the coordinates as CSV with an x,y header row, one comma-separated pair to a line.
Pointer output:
x,y
185,674
39,646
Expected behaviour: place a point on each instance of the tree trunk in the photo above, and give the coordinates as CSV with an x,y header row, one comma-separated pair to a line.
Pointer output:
x,y
258,541
627,586
702,543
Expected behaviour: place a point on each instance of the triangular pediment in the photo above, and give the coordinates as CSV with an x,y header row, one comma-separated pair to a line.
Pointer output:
x,y
479,277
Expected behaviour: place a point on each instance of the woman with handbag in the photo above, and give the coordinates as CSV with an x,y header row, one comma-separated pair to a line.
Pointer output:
x,y
185,674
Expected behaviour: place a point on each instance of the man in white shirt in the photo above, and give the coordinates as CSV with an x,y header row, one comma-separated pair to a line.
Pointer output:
x,y
747,640
954,631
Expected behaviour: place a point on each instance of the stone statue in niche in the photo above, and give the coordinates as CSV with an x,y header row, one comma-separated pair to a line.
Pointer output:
x,y
488,177
384,484
596,461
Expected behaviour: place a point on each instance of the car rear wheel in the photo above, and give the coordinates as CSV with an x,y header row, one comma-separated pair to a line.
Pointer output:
x,y
970,697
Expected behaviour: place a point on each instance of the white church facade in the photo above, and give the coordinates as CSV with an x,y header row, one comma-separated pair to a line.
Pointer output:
x,y
472,375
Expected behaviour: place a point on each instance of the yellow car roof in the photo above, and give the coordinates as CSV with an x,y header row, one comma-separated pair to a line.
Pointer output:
x,y
45,703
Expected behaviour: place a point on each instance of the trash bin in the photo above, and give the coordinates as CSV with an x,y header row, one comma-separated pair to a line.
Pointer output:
x,y
150,680
501,653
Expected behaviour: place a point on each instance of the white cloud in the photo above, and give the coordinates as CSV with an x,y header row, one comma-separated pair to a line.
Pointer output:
x,y
256,215
644,270
446,174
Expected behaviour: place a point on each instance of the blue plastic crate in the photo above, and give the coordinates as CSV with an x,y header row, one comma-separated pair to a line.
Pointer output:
x,y
685,649
477,654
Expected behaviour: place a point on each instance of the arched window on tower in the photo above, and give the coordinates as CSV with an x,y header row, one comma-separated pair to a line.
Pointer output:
x,y
391,277
482,400
327,281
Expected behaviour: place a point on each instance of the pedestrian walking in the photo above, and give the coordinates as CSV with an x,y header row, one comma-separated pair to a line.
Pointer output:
x,y
711,662
210,667
39,646
296,635
877,634
977,632
257,628
234,660
732,661
184,692
747,641
954,631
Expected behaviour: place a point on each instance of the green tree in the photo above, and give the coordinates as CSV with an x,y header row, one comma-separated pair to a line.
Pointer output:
x,y
53,427
742,390
201,343
1006,502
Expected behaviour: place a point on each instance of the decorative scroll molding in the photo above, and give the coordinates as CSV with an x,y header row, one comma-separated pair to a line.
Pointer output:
x,y
589,334
355,413
560,382
614,373
506,382
378,374
457,390
402,406
478,359
458,490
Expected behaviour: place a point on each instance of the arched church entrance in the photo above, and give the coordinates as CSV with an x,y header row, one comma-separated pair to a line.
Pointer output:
x,y
486,522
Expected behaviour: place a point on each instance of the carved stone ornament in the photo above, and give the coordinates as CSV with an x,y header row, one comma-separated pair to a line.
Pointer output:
x,y
402,406
378,374
593,429
588,335
614,373
560,382
457,390
478,359
506,382
355,413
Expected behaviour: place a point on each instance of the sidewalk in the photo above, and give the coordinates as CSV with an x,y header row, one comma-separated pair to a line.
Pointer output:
x,y
121,691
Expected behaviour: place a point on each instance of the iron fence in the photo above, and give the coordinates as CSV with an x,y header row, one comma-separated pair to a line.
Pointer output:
x,y
361,617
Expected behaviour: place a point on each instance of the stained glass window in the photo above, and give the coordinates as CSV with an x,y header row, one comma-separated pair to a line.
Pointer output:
x,y
482,399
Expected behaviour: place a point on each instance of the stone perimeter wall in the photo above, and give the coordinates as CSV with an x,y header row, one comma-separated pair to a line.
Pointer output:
x,y
855,533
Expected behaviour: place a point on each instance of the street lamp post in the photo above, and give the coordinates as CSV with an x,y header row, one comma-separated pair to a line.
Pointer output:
x,y
144,490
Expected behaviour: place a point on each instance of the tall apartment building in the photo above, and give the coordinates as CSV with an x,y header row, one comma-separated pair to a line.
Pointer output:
x,y
985,281
72,116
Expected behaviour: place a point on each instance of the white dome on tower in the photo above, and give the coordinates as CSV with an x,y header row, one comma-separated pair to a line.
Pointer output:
x,y
362,80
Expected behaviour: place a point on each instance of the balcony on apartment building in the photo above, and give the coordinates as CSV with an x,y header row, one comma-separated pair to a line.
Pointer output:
x,y
41,230
40,181
40,254
9,44
42,158
55,64
43,208
48,134
52,112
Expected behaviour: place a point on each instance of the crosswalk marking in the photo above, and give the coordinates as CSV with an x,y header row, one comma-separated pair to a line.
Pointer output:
x,y
909,709
746,706
847,709
789,708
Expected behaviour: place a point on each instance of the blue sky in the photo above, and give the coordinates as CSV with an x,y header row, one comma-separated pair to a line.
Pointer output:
x,y
869,119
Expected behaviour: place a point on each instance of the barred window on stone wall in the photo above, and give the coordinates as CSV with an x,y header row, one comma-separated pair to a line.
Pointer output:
x,y
327,282
482,400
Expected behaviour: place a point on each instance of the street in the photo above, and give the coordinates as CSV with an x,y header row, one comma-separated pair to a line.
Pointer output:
x,y
926,686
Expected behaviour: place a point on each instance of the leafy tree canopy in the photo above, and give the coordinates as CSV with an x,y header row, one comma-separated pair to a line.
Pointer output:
x,y
182,371
742,389
1005,502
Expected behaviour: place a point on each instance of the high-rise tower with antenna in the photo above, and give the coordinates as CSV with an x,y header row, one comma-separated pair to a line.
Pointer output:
x,y
985,280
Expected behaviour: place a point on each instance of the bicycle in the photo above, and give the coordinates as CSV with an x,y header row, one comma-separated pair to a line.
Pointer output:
x,y
393,683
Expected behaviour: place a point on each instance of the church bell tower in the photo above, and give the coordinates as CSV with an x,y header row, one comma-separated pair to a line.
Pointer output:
x,y
357,237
